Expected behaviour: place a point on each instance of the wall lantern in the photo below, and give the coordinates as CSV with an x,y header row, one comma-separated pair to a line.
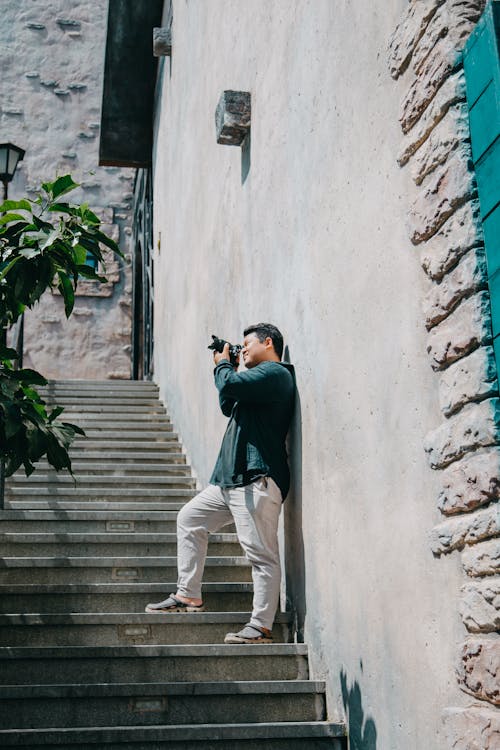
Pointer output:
x,y
10,155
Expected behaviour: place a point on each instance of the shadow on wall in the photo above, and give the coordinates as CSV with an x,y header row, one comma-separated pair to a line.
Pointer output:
x,y
361,730
246,156
294,543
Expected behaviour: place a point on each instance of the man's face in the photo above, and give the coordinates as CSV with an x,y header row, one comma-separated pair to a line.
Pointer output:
x,y
254,351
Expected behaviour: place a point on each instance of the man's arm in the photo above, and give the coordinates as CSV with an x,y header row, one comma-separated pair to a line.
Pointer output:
x,y
261,384
226,404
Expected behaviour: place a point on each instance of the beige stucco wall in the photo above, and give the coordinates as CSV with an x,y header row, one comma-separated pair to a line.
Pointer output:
x,y
314,240
52,59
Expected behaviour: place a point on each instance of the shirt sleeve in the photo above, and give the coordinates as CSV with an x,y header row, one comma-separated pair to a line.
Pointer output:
x,y
261,384
226,404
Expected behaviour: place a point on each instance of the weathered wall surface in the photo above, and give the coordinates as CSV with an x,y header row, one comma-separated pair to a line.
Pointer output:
x,y
444,222
309,233
52,58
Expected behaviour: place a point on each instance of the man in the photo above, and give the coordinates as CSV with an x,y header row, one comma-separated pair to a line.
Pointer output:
x,y
249,482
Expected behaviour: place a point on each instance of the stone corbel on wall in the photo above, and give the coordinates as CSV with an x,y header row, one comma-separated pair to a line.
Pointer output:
x,y
162,41
444,223
232,117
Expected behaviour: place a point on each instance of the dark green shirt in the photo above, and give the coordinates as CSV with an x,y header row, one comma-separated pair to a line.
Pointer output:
x,y
259,402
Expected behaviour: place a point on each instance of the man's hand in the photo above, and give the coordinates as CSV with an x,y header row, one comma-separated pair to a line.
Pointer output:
x,y
224,355
218,357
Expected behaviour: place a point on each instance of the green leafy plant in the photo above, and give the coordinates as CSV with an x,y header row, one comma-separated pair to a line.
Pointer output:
x,y
28,430
44,244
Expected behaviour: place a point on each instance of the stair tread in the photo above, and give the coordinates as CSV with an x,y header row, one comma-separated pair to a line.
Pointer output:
x,y
83,479
92,513
153,651
67,509
82,618
112,588
264,730
102,561
96,492
163,688
105,537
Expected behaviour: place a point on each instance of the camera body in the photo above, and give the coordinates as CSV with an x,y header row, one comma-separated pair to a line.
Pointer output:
x,y
218,344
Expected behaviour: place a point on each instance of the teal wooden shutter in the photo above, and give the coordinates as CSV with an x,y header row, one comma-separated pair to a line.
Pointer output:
x,y
482,75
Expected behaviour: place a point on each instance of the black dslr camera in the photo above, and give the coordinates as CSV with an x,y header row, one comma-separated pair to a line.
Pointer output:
x,y
234,349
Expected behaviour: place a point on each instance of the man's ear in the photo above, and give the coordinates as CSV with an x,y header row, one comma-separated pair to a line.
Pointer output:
x,y
269,342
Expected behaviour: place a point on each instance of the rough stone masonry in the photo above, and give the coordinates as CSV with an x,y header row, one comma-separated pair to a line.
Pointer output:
x,y
444,224
51,55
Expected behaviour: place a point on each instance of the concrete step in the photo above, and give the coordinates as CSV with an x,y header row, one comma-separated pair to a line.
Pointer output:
x,y
106,398
104,413
103,424
116,469
53,544
132,436
31,492
117,597
108,569
91,403
92,407
252,736
127,449
84,481
122,421
99,391
116,513
60,664
80,386
123,629
139,704
126,458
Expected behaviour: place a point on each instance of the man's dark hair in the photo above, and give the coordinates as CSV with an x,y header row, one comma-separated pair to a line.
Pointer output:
x,y
264,331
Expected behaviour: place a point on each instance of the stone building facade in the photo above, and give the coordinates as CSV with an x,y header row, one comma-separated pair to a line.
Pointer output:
x,y
390,532
427,51
52,67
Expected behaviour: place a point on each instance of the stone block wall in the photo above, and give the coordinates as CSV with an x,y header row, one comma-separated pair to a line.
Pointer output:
x,y
444,225
52,57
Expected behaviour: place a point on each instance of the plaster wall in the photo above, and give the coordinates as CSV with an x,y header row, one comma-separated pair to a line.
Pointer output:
x,y
52,59
313,239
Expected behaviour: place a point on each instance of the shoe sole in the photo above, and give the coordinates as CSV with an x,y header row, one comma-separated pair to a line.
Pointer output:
x,y
173,609
237,639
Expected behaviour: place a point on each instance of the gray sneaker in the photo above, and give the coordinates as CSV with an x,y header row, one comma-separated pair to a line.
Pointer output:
x,y
250,634
173,604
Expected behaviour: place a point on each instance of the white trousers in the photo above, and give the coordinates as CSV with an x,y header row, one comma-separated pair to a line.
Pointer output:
x,y
255,510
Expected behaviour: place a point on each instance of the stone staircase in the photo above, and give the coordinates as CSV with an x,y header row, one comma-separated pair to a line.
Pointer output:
x,y
81,664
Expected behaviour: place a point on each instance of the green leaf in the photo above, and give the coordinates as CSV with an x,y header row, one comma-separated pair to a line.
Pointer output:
x,y
51,238
6,268
79,255
75,428
87,272
55,413
61,186
66,288
64,208
10,205
7,353
7,218
29,377
109,242
29,252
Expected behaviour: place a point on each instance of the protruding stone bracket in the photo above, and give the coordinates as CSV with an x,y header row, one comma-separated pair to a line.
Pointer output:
x,y
162,41
232,117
